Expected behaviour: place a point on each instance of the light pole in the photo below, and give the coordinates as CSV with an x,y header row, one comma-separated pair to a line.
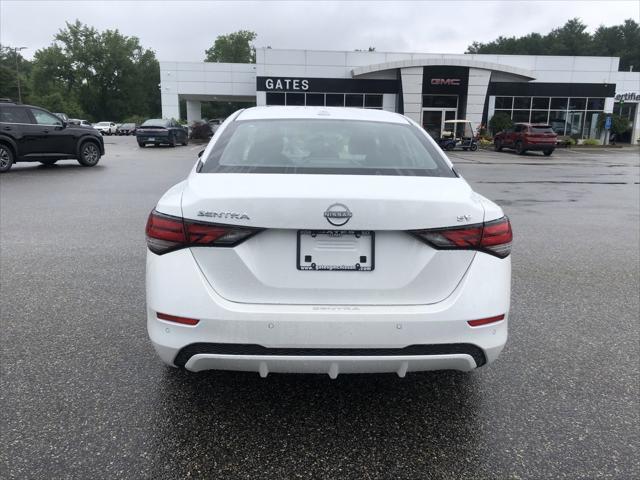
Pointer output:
x,y
17,49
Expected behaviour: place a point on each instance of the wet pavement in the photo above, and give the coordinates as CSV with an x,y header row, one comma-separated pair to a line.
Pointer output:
x,y
84,396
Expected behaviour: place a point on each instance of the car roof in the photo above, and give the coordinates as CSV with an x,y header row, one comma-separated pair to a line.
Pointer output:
x,y
336,113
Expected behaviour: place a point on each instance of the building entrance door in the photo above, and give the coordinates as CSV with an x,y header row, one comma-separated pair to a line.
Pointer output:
x,y
433,120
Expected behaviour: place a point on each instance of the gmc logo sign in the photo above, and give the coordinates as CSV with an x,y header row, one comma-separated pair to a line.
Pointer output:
x,y
445,81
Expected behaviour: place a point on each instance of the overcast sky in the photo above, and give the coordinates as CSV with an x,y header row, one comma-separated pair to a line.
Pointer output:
x,y
182,30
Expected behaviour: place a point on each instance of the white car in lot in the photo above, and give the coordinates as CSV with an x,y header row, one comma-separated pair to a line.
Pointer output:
x,y
106,128
326,240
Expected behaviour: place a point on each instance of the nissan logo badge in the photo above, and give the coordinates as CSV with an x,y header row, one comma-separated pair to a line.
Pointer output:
x,y
338,214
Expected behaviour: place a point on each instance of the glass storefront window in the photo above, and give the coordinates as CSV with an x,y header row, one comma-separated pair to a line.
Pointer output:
x,y
520,116
506,112
540,103
274,98
504,102
557,120
315,99
539,116
595,104
295,98
577,103
559,103
354,100
591,125
335,100
574,124
372,101
440,101
522,103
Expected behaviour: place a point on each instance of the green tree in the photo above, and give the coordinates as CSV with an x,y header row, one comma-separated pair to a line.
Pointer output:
x,y
619,125
236,47
499,122
8,78
100,75
572,39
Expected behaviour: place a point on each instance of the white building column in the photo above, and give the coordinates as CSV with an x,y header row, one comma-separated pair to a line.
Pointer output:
x,y
635,132
170,105
412,92
476,95
194,110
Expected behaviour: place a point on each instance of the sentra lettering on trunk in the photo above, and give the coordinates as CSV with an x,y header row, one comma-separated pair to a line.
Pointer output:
x,y
225,215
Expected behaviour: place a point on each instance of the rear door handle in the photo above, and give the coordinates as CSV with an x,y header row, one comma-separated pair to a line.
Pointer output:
x,y
7,128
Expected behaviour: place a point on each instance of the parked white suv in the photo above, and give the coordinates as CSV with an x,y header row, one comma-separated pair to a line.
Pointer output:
x,y
106,128
326,240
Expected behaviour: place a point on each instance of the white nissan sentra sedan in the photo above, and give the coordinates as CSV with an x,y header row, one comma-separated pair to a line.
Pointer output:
x,y
326,240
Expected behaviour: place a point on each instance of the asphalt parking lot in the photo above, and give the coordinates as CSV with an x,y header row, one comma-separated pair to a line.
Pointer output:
x,y
84,396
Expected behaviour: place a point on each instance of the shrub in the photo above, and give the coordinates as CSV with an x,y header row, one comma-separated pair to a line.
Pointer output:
x,y
566,140
484,142
591,141
619,125
500,121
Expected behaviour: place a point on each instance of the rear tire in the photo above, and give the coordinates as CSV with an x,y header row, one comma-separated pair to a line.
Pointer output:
x,y
497,145
473,147
520,150
185,142
449,146
141,145
548,152
89,154
6,158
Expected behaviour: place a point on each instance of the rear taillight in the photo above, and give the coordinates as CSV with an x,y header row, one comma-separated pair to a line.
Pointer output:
x,y
166,233
491,237
485,321
176,319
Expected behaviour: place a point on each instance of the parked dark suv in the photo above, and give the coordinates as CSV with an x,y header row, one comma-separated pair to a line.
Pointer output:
x,y
32,134
527,136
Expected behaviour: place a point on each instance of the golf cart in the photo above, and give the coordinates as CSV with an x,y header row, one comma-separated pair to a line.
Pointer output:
x,y
458,134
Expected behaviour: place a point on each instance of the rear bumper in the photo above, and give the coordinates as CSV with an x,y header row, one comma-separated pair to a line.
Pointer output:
x,y
146,138
330,365
540,146
330,339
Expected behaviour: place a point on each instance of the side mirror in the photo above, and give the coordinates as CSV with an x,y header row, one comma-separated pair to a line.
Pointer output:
x,y
200,153
62,125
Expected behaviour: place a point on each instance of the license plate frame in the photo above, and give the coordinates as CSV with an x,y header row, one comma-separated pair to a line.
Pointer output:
x,y
357,267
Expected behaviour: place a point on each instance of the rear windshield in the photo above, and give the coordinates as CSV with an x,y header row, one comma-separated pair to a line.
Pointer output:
x,y
542,129
325,147
155,122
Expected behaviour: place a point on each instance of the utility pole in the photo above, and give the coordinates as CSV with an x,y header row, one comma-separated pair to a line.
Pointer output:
x,y
17,49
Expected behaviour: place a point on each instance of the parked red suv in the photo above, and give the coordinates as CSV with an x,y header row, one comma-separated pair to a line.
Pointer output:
x,y
527,136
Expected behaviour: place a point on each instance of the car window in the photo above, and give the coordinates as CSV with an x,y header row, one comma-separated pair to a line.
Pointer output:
x,y
155,122
542,129
327,147
518,128
45,118
14,115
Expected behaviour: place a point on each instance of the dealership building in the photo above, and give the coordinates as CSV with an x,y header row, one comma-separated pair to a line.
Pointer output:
x,y
568,93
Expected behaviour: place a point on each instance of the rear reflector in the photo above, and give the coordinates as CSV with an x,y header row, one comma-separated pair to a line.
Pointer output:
x,y
485,321
490,237
174,319
166,233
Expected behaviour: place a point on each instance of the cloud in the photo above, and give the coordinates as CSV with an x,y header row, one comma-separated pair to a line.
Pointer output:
x,y
183,30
